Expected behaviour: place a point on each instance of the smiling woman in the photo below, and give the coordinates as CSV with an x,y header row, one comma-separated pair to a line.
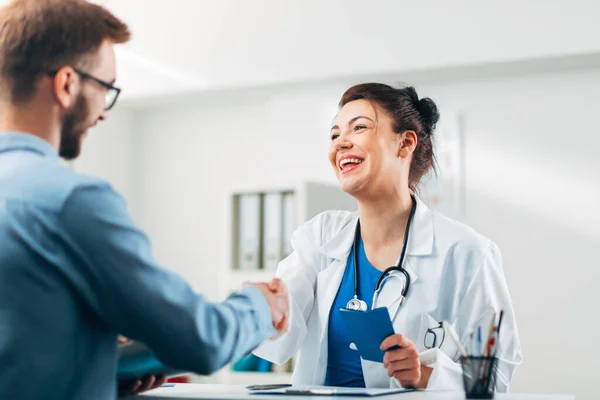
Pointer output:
x,y
379,108
381,146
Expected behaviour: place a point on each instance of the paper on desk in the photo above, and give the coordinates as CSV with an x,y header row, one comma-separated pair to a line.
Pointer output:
x,y
331,391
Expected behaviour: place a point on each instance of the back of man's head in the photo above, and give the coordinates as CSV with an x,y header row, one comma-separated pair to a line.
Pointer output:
x,y
41,36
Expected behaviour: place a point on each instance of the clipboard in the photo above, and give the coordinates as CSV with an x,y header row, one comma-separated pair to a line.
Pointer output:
x,y
333,391
367,330
136,361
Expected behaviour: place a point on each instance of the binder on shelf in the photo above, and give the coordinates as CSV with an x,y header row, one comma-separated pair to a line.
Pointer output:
x,y
272,230
249,232
289,221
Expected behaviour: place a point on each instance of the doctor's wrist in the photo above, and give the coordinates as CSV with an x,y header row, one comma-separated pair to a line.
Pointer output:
x,y
425,375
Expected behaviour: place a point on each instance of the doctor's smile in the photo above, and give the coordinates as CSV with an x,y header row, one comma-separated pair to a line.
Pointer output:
x,y
349,162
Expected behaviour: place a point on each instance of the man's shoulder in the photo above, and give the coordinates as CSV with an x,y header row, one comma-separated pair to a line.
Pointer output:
x,y
50,185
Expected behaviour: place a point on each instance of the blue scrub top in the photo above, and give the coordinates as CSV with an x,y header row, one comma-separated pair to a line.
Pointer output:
x,y
343,363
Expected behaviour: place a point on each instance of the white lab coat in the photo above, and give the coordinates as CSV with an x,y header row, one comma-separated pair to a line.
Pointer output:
x,y
456,276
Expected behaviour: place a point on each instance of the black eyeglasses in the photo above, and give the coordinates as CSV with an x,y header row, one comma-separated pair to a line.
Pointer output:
x,y
112,92
433,335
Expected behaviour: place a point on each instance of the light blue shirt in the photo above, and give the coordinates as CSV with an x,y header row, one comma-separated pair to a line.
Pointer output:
x,y
343,363
75,271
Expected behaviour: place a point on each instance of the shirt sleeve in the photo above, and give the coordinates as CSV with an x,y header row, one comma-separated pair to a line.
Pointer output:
x,y
116,275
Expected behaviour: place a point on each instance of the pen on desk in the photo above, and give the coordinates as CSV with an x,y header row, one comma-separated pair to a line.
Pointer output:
x,y
315,391
454,336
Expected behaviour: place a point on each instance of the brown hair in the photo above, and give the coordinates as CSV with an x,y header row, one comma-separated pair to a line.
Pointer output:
x,y
41,36
408,113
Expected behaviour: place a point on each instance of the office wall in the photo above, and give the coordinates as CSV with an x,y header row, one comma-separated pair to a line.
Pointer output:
x,y
531,185
206,45
108,152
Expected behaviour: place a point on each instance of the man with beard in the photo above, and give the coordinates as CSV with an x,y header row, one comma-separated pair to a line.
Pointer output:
x,y
74,269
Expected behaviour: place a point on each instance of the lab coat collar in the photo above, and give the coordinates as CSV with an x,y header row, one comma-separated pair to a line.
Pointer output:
x,y
420,241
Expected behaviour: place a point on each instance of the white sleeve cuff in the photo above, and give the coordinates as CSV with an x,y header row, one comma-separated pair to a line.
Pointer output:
x,y
446,374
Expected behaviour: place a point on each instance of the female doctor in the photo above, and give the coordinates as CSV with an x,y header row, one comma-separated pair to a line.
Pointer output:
x,y
381,146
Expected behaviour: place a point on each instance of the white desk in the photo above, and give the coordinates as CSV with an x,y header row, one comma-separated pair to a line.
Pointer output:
x,y
231,392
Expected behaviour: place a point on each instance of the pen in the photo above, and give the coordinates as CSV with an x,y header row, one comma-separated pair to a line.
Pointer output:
x,y
487,351
495,348
471,342
499,322
454,336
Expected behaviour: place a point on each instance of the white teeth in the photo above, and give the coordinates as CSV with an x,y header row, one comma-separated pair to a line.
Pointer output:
x,y
350,161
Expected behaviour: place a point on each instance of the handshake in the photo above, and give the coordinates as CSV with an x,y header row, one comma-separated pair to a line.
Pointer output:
x,y
276,295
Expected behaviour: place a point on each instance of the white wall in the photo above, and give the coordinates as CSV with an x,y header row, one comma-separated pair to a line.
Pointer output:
x,y
109,152
202,45
531,185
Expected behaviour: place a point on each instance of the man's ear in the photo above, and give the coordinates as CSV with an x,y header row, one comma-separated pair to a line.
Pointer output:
x,y
66,86
407,143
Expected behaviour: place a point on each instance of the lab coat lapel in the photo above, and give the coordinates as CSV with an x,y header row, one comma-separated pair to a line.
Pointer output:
x,y
329,280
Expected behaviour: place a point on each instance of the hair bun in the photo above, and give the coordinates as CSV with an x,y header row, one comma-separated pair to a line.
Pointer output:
x,y
429,112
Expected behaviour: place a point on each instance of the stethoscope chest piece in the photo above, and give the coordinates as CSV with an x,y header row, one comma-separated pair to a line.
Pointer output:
x,y
356,305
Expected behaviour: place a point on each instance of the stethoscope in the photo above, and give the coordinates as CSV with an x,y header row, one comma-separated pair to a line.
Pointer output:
x,y
360,305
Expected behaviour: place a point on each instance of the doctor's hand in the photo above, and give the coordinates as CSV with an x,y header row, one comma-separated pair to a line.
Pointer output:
x,y
403,362
276,295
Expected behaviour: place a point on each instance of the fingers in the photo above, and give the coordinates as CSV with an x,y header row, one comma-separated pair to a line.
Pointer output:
x,y
160,380
123,339
130,387
275,284
399,366
281,326
403,362
276,295
405,353
147,384
395,340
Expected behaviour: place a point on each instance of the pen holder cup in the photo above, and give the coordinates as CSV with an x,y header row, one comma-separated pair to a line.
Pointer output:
x,y
479,376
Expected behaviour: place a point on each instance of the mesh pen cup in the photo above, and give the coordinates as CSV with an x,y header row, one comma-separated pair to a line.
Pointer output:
x,y
479,376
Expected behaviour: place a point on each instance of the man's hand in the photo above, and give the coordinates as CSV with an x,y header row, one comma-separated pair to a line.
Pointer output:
x,y
276,295
129,388
403,362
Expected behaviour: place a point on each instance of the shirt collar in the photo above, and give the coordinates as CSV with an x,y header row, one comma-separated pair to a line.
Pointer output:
x,y
420,241
11,141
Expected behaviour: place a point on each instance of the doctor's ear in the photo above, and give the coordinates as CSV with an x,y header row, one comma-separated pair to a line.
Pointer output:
x,y
407,143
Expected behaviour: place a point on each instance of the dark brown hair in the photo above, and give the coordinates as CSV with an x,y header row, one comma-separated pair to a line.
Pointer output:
x,y
407,112
40,36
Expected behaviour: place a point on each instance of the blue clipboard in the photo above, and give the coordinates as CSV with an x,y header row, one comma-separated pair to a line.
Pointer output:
x,y
367,329
136,361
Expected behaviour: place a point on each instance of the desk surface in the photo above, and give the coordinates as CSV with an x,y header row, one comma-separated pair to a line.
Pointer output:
x,y
231,392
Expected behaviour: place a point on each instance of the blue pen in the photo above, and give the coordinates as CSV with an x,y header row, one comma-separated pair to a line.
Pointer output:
x,y
479,340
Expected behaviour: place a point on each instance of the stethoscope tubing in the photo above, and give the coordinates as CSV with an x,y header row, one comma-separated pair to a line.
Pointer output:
x,y
356,303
